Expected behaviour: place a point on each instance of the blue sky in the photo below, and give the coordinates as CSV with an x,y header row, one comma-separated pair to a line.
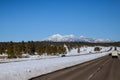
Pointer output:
x,y
38,19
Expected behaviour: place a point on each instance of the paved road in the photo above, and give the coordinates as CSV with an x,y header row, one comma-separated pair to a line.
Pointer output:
x,y
105,68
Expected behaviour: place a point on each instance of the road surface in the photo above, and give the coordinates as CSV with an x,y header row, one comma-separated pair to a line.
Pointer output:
x,y
105,68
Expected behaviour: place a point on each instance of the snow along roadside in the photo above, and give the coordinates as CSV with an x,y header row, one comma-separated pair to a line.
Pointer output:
x,y
28,69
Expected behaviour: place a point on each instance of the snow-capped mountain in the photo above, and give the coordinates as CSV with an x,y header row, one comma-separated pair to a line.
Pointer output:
x,y
72,38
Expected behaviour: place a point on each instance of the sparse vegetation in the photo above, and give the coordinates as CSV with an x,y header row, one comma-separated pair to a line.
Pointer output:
x,y
16,49
97,49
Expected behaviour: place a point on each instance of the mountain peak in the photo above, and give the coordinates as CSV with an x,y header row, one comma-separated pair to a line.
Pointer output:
x,y
73,38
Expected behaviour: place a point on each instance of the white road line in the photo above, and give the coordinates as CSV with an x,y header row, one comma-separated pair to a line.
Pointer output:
x,y
98,69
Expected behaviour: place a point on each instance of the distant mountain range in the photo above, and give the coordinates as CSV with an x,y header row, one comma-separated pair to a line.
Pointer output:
x,y
73,38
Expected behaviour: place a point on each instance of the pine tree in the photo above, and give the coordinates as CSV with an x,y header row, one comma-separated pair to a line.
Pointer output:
x,y
30,47
37,49
23,47
1,49
96,49
78,50
18,50
10,50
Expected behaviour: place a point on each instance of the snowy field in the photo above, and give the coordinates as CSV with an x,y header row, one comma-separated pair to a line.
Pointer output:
x,y
83,50
27,69
35,57
118,48
86,50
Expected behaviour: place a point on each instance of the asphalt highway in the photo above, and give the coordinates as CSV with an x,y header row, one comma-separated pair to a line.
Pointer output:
x,y
105,68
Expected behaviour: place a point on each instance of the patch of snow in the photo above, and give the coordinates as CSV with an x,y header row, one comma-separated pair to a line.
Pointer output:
x,y
86,50
118,48
31,57
103,40
3,54
27,69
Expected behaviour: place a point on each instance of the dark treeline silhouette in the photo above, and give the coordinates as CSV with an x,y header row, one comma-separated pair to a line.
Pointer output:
x,y
16,49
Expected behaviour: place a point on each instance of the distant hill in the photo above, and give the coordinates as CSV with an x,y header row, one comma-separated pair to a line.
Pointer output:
x,y
73,38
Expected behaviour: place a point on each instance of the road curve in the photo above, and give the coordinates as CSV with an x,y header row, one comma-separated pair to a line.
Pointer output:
x,y
105,68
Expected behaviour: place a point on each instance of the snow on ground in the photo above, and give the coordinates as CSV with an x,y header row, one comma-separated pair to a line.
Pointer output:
x,y
83,50
33,57
118,48
86,50
27,69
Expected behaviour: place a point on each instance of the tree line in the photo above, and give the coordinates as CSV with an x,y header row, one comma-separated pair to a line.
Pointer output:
x,y
16,49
